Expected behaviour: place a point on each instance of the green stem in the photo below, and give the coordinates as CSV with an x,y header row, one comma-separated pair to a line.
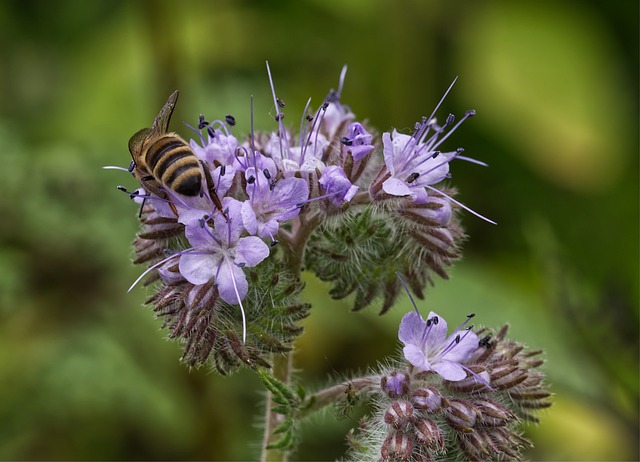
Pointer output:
x,y
293,244
333,394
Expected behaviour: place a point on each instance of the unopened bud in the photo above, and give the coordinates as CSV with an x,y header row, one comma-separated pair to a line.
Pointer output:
x,y
492,414
399,414
428,399
395,384
461,414
428,434
397,446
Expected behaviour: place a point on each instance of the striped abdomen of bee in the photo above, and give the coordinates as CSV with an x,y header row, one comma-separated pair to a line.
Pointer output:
x,y
173,163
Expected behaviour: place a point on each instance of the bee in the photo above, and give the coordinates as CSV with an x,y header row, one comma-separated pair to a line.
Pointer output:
x,y
162,159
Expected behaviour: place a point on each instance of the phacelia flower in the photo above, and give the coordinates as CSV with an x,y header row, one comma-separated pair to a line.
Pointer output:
x,y
338,189
412,166
271,202
428,348
219,253
358,141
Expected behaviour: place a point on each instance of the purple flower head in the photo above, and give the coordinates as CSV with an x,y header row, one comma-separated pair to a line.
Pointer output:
x,y
428,348
337,187
358,141
219,149
412,166
219,253
271,202
292,159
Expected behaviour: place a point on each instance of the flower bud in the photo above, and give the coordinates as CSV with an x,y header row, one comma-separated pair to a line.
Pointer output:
x,y
397,446
492,414
428,399
428,434
461,414
399,415
395,384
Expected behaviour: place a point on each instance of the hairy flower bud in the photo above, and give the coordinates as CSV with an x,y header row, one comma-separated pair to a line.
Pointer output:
x,y
427,398
397,446
395,384
399,414
429,434
460,414
492,414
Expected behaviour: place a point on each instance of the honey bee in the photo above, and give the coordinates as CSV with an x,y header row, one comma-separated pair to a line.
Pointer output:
x,y
162,159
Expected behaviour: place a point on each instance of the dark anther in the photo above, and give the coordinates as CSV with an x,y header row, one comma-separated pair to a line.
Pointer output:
x,y
325,105
267,174
300,205
346,141
242,265
223,170
470,315
435,154
457,338
202,221
435,320
201,122
450,119
230,120
280,102
309,117
413,177
279,117
485,342
460,150
417,125
122,188
429,322
132,166
470,113
211,132
251,179
274,243
470,327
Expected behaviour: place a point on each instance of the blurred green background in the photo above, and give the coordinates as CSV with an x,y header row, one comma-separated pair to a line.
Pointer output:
x,y
85,372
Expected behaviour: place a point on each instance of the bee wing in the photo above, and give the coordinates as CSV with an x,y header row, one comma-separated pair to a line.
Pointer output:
x,y
161,122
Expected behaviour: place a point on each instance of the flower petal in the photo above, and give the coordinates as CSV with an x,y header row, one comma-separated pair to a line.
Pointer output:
x,y
436,334
416,357
250,251
411,328
198,268
463,350
230,278
396,187
450,371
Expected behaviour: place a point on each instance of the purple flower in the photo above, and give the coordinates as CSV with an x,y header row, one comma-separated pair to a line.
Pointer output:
x,y
219,253
412,166
292,159
271,202
219,149
337,186
359,141
428,348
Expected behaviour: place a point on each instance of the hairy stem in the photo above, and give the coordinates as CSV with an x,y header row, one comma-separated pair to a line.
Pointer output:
x,y
293,244
282,365
333,394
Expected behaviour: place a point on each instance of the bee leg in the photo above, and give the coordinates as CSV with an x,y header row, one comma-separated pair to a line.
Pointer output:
x,y
211,188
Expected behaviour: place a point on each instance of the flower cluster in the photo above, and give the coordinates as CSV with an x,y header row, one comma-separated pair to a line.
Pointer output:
x,y
334,197
455,397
